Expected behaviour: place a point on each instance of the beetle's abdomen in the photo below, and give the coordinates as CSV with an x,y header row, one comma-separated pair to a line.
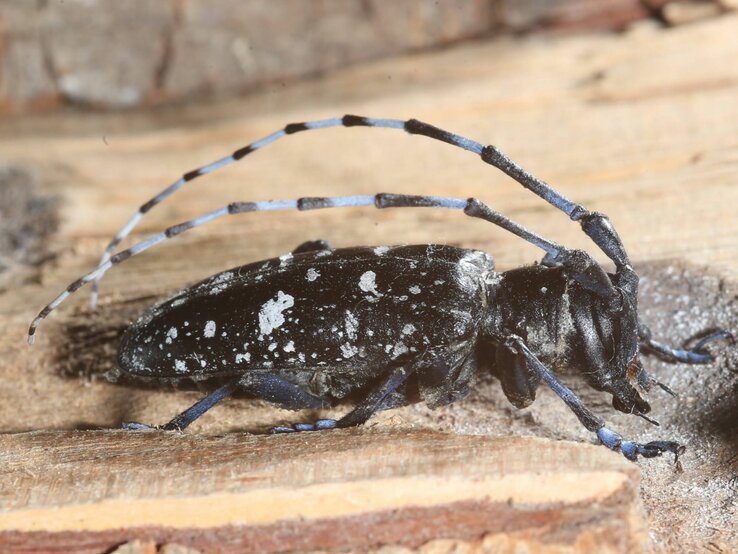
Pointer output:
x,y
328,311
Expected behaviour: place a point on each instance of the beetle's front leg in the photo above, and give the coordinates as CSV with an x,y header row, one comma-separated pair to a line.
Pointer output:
x,y
366,409
698,354
591,422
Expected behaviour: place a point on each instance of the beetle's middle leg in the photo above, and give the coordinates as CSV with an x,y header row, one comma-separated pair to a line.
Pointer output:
x,y
591,422
266,386
372,403
698,354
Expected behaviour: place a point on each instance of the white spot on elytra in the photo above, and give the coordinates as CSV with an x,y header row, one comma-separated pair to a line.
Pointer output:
x,y
285,260
312,275
272,347
349,350
209,332
408,329
415,289
367,283
381,250
399,349
289,347
180,366
243,358
352,325
171,335
219,283
270,315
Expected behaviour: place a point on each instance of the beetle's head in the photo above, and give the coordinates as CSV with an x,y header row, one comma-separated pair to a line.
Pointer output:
x,y
608,351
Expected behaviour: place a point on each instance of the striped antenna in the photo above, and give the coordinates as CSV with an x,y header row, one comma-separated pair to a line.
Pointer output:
x,y
471,207
489,154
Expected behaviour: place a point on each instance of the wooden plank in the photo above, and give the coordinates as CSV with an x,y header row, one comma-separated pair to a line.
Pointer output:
x,y
340,490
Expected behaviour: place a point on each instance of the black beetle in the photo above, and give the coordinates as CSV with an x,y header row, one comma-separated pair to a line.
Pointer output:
x,y
393,325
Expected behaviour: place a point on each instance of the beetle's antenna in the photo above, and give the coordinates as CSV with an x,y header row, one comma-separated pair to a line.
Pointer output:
x,y
471,207
596,225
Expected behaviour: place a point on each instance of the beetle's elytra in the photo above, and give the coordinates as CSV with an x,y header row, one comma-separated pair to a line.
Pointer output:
x,y
390,325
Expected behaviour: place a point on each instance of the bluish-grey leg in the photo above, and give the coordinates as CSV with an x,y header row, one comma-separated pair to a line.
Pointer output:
x,y
591,422
371,404
698,354
266,386
184,419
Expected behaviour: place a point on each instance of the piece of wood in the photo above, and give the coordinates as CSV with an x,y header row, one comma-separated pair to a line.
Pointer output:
x,y
346,489
642,127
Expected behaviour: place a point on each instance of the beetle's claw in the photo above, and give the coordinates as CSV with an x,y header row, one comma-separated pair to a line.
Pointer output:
x,y
656,448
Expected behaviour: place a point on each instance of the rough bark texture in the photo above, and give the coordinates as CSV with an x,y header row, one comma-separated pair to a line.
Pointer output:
x,y
647,139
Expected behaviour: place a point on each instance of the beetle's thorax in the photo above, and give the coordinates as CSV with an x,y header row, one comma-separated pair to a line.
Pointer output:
x,y
533,303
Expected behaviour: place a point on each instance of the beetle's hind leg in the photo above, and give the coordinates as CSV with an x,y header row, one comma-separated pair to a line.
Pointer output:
x,y
373,403
192,413
591,422
267,386
698,354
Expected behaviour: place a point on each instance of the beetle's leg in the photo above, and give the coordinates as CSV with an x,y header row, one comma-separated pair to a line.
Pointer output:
x,y
591,422
698,354
193,412
275,389
518,384
471,207
313,246
266,386
372,403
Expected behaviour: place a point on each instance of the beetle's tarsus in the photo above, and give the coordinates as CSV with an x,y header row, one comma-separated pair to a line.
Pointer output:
x,y
632,450
136,426
319,425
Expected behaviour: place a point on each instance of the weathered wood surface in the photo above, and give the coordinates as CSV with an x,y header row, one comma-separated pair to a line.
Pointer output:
x,y
349,489
643,127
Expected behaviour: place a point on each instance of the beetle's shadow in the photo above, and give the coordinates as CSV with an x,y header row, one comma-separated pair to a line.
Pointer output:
x,y
88,346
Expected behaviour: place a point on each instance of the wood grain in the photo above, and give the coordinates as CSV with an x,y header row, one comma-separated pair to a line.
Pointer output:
x,y
343,489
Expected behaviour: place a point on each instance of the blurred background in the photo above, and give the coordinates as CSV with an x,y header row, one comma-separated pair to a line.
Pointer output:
x,y
114,55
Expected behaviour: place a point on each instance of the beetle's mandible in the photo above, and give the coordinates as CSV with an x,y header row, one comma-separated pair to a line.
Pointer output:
x,y
391,325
